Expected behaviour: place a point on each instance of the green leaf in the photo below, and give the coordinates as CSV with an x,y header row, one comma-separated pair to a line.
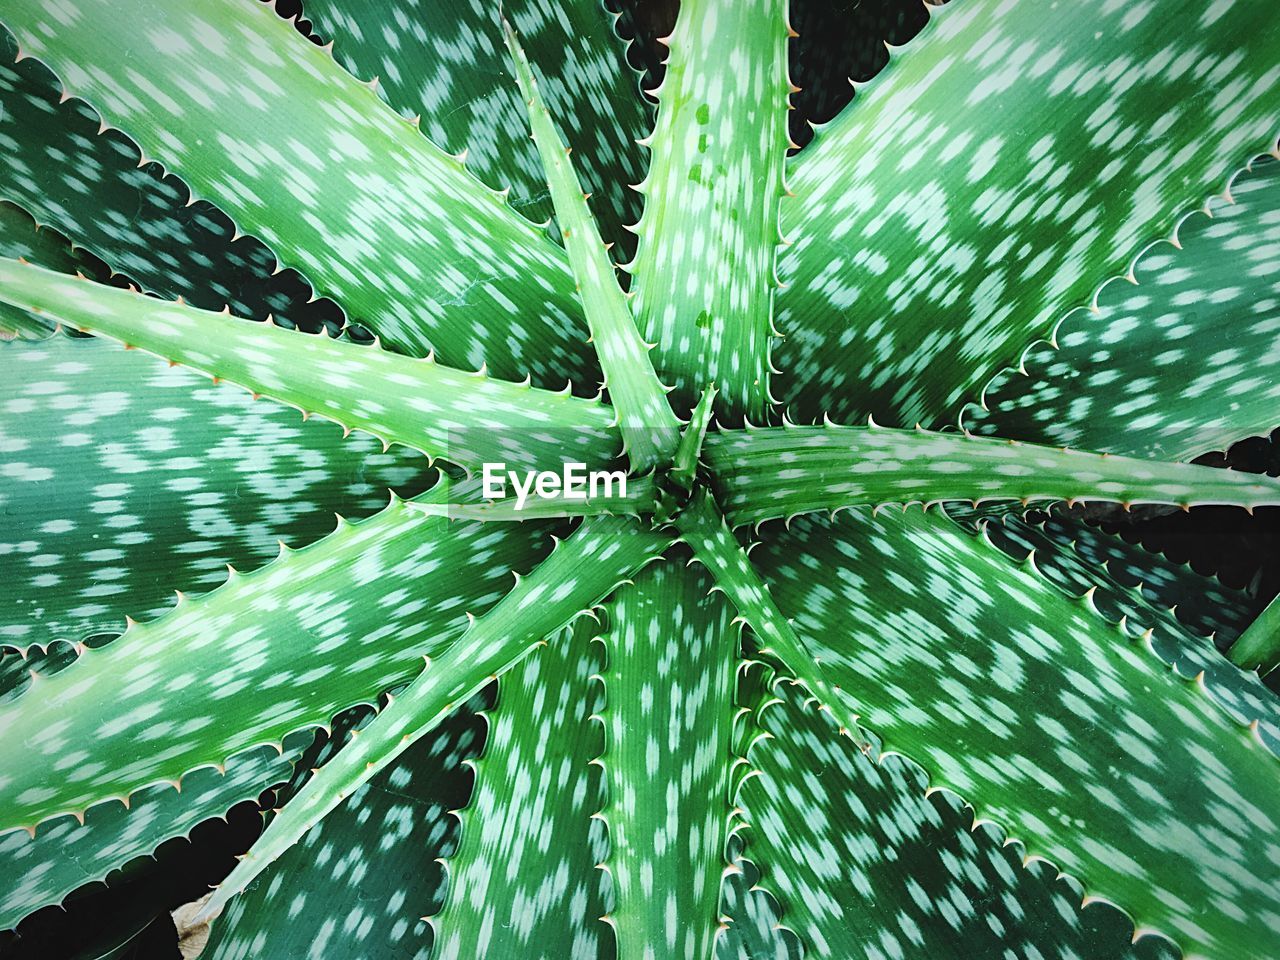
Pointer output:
x,y
704,267
92,185
1050,722
867,863
704,529
1183,363
358,884
1183,637
444,60
524,881
277,650
20,237
1258,648
397,231
576,576
466,418
66,854
649,428
783,471
990,179
126,479
669,690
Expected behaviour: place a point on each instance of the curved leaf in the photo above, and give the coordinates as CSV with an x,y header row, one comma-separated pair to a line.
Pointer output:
x,y
992,177
1052,723
1183,363
393,228
126,479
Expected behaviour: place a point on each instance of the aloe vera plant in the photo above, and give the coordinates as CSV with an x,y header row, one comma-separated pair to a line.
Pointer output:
x,y
757,704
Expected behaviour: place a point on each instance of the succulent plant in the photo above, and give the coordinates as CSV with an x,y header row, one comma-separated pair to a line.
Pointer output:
x,y
815,683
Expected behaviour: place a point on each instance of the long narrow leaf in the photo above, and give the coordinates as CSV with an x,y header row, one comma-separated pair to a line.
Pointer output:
x,y
468,419
783,471
648,426
576,576
704,267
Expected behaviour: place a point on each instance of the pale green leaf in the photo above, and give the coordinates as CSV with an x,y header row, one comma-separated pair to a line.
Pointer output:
x,y
1258,648
667,715
775,472
466,418
580,573
704,267
649,428
280,649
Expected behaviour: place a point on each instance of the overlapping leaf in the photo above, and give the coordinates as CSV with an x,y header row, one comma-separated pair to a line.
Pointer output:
x,y
577,575
992,177
867,865
445,59
359,884
782,471
1183,363
1053,724
467,418
126,479
66,854
273,651
91,184
393,228
647,424
704,267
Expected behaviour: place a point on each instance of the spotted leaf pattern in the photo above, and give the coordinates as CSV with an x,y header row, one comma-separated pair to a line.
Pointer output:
x,y
65,854
867,865
366,872
276,650
90,182
395,229
1061,728
1148,371
669,696
784,471
581,572
1186,638
987,181
704,266
439,58
466,418
524,880
126,479
648,426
